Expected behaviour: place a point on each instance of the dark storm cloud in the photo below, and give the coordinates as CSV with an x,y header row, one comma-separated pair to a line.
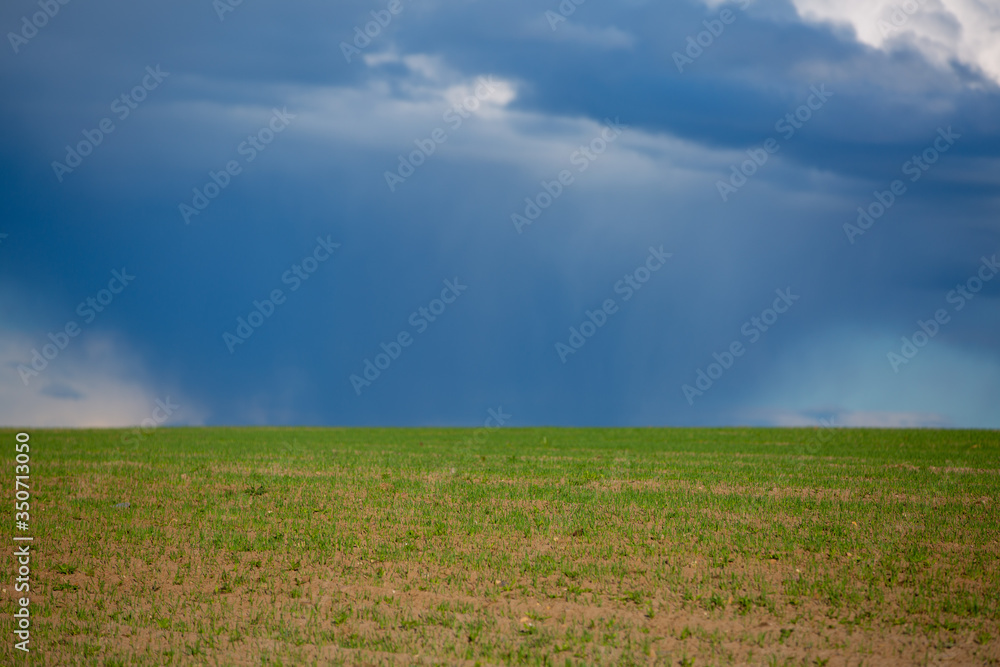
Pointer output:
x,y
495,345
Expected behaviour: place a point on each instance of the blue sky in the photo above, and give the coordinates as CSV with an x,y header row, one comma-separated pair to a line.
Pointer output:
x,y
628,213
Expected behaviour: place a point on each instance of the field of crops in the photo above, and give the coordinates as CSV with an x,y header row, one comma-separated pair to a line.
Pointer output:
x,y
514,546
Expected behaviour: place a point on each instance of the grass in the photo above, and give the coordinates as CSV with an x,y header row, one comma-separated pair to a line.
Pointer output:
x,y
535,546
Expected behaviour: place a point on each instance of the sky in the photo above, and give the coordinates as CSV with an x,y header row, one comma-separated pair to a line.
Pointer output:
x,y
467,213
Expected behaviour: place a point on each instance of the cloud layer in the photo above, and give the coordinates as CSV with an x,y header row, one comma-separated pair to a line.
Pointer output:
x,y
790,149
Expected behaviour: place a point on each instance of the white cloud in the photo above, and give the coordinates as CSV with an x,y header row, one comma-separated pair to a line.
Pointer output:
x,y
851,418
553,26
379,117
943,30
95,382
607,38
846,374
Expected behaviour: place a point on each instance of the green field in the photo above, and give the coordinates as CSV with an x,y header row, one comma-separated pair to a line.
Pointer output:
x,y
516,546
